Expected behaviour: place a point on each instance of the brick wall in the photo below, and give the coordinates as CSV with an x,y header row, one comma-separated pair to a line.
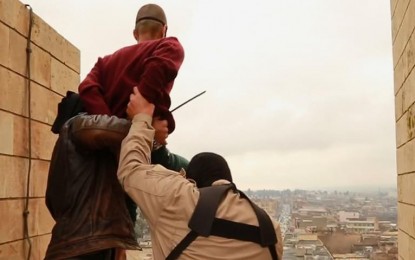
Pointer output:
x,y
54,70
403,24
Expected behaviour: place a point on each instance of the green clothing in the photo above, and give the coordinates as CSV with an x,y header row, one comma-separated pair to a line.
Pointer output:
x,y
169,160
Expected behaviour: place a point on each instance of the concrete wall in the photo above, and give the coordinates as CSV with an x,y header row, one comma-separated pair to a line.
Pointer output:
x,y
403,24
54,70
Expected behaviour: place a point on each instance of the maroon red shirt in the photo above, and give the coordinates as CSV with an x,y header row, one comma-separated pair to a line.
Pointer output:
x,y
152,66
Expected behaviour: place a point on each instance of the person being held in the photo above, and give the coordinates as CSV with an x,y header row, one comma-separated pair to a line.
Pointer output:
x,y
169,201
83,194
152,65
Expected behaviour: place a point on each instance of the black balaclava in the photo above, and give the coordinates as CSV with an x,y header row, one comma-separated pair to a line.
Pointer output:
x,y
206,168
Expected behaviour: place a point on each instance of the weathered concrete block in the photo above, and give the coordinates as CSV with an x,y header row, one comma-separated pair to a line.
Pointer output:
x,y
38,178
44,104
13,250
21,139
40,244
63,78
405,126
13,176
40,220
13,92
18,250
401,131
406,219
15,15
17,53
72,57
14,133
406,192
48,39
399,104
405,97
405,157
6,131
408,92
406,246
398,10
12,224
393,4
43,141
405,65
404,33
40,66
4,45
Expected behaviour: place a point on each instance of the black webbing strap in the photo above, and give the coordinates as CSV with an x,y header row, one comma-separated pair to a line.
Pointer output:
x,y
186,241
205,211
267,231
240,231
204,223
235,230
203,216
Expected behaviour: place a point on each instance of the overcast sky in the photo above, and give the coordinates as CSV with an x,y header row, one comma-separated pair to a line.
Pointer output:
x,y
299,92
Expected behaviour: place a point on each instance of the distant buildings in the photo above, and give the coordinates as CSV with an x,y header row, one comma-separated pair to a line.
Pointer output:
x,y
337,225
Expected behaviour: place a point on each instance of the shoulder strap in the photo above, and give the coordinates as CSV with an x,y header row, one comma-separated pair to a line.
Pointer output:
x,y
186,241
267,231
203,216
205,211
204,223
240,231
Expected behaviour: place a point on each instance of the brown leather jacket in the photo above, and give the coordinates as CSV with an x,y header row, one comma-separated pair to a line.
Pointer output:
x,y
83,194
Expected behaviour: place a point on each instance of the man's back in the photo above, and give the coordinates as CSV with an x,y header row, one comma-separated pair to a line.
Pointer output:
x,y
83,194
236,209
151,65
168,201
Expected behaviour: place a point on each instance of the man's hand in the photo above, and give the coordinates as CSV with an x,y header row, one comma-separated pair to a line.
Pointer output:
x,y
162,130
138,104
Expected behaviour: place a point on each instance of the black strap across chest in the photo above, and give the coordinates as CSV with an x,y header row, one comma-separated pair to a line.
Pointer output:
x,y
204,223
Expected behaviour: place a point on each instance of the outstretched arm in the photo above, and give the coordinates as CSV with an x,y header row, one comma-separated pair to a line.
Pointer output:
x,y
136,147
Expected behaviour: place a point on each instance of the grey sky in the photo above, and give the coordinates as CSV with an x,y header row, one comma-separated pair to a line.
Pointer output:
x,y
299,92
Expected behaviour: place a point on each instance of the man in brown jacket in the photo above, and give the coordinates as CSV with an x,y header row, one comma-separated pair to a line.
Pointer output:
x,y
168,200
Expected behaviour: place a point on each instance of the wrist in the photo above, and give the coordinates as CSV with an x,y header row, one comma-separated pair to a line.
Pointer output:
x,y
143,117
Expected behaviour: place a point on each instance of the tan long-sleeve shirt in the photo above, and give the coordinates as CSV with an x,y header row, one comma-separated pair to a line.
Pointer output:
x,y
168,200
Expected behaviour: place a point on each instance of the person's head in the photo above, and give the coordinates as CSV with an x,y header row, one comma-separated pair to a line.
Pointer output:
x,y
206,168
150,23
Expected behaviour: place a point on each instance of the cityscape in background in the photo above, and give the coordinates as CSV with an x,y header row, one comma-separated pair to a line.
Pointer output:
x,y
325,225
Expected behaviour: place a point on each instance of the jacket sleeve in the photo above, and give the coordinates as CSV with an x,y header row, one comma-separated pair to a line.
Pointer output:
x,y
92,93
96,132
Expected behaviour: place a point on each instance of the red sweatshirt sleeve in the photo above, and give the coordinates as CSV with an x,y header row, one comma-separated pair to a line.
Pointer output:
x,y
161,69
92,93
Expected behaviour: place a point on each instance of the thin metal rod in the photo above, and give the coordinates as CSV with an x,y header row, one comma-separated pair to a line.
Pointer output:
x,y
184,103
